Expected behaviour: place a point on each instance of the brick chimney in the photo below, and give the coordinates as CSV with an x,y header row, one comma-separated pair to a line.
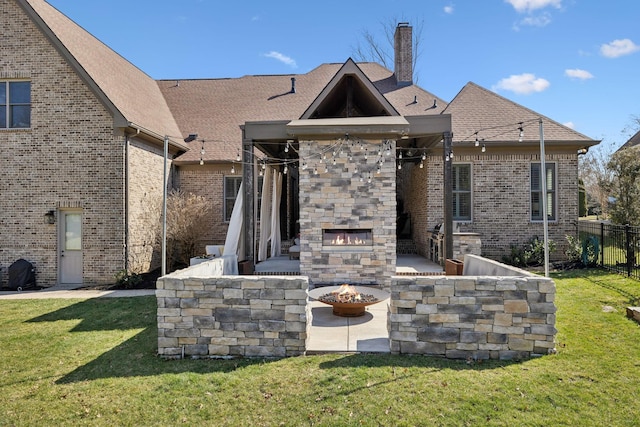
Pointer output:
x,y
403,54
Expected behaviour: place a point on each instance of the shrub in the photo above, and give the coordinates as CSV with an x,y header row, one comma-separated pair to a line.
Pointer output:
x,y
127,280
532,254
574,250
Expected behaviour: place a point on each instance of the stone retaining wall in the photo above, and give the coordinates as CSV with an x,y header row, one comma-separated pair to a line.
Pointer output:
x,y
471,317
241,316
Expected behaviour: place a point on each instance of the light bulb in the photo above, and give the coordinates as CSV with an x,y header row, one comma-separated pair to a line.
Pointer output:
x,y
285,169
233,169
400,155
484,148
477,143
424,157
399,166
421,165
201,162
286,148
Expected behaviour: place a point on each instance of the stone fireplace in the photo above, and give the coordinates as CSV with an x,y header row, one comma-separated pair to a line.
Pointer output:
x,y
348,212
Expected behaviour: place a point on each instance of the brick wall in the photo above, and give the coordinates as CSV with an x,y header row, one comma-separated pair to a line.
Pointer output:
x,y
145,204
69,158
208,181
501,195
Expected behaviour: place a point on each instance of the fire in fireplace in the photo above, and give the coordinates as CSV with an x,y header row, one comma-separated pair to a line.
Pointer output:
x,y
347,237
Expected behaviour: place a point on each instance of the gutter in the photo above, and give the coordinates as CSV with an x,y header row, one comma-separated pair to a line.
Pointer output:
x,y
174,140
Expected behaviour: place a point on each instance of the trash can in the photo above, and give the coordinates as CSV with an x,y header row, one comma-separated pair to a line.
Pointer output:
x,y
453,267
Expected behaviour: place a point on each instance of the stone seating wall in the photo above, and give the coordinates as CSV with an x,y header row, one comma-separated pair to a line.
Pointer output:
x,y
232,316
499,313
511,316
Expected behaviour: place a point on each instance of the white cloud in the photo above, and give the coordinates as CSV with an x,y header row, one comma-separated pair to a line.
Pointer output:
x,y
531,5
537,21
570,125
618,48
282,58
448,9
522,84
576,73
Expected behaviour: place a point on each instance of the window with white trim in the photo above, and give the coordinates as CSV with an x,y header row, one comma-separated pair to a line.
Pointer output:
x,y
231,189
461,192
536,192
15,104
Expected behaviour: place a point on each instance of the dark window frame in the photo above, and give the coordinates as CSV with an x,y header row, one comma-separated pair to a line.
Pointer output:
x,y
536,191
462,193
14,107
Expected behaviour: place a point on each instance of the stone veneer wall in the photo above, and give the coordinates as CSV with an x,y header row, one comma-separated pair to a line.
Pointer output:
x,y
339,198
240,316
475,317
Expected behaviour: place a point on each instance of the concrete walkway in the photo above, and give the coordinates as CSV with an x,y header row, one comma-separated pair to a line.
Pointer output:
x,y
53,293
335,334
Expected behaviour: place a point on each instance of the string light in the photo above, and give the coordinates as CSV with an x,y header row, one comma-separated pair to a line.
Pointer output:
x,y
521,134
484,148
233,169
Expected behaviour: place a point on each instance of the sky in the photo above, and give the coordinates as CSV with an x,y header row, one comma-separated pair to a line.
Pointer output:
x,y
574,61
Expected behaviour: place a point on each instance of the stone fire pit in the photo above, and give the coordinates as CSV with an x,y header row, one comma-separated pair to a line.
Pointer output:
x,y
348,300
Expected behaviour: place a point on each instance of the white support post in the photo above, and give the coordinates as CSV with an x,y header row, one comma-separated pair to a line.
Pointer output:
x,y
164,207
545,216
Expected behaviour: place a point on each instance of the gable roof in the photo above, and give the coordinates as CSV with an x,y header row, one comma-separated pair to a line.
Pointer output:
x,y
216,108
495,118
348,86
131,95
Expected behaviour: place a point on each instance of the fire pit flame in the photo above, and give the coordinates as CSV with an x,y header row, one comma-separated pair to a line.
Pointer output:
x,y
347,293
347,301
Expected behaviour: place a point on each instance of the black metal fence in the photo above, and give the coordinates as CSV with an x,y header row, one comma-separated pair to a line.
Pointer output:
x,y
613,247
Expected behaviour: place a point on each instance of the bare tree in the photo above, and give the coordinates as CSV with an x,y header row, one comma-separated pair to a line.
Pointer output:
x,y
186,214
371,49
625,186
594,171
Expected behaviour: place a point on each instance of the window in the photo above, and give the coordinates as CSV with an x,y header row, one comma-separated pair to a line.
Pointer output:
x,y
15,104
231,188
462,192
536,192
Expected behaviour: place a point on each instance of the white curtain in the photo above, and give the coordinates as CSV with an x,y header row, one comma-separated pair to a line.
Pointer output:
x,y
265,214
232,244
275,215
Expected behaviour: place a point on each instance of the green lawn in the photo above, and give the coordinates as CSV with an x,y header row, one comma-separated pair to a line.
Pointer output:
x,y
92,362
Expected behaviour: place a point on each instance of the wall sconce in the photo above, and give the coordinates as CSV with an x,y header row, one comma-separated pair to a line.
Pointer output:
x,y
50,217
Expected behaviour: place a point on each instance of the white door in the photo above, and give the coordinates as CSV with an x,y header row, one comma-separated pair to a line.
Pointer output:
x,y
70,247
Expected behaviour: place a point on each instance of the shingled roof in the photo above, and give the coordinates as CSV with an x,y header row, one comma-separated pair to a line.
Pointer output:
x,y
632,142
216,108
496,119
131,95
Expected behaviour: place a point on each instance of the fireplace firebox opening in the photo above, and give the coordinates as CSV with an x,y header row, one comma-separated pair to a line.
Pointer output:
x,y
347,237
